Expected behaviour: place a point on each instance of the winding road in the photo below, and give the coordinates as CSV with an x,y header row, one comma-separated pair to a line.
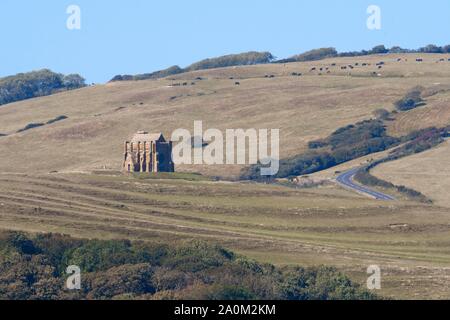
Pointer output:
x,y
346,179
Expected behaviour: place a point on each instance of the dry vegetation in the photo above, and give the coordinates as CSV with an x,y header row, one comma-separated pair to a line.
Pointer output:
x,y
304,108
269,223
325,225
426,172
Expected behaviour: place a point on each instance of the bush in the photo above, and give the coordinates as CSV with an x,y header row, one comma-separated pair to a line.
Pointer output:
x,y
154,75
321,283
125,279
197,256
345,144
98,255
382,114
247,58
312,55
411,100
21,243
224,292
33,268
59,118
242,59
31,126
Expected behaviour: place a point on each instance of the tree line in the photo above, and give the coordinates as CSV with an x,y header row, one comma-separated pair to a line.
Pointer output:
x,y
231,60
253,57
34,267
37,84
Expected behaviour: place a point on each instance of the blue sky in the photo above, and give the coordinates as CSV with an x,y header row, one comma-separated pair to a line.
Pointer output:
x,y
137,36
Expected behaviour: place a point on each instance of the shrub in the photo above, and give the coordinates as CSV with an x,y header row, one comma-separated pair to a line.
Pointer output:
x,y
166,279
98,255
22,243
345,144
30,268
320,283
317,144
31,126
154,75
411,100
382,114
59,118
224,292
247,58
197,256
312,55
124,279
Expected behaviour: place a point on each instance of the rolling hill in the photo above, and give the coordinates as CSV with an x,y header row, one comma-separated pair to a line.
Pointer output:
x,y
60,155
304,108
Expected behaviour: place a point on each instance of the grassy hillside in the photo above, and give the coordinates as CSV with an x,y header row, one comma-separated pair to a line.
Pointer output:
x,y
47,182
426,172
304,108
241,59
269,223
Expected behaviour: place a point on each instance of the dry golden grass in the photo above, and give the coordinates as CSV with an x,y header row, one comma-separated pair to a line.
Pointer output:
x,y
326,225
436,113
304,108
425,172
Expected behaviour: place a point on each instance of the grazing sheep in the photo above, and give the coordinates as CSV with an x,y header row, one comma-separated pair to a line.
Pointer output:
x,y
419,60
344,68
237,83
313,69
333,64
379,67
364,64
399,59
